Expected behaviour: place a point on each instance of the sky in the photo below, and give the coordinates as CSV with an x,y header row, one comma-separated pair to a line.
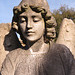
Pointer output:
x,y
6,7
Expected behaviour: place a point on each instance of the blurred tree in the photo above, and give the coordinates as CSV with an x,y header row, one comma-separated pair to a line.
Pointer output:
x,y
63,12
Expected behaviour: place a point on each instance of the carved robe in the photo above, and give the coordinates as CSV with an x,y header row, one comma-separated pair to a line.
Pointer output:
x,y
57,61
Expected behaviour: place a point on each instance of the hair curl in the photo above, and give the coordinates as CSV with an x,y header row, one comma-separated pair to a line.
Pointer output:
x,y
46,14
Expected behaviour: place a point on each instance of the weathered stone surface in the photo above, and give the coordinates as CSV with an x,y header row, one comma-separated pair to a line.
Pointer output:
x,y
47,63
4,30
67,34
8,40
38,57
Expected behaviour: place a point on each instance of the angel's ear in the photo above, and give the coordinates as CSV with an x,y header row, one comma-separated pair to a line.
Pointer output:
x,y
15,26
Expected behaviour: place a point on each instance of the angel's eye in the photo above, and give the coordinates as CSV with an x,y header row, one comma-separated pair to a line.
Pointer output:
x,y
22,19
36,19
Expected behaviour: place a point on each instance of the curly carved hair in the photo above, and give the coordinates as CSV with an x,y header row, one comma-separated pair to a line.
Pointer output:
x,y
50,22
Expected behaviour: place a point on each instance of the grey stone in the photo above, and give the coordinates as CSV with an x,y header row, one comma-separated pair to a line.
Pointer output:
x,y
67,34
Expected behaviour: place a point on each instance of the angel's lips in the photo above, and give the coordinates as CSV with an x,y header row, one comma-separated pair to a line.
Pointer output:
x,y
30,32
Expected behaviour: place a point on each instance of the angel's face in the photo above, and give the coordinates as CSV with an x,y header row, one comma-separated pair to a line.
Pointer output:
x,y
32,25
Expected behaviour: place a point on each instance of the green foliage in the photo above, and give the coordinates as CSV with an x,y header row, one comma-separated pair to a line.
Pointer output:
x,y
63,12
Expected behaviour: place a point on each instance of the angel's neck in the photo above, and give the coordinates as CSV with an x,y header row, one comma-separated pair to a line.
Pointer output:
x,y
35,46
